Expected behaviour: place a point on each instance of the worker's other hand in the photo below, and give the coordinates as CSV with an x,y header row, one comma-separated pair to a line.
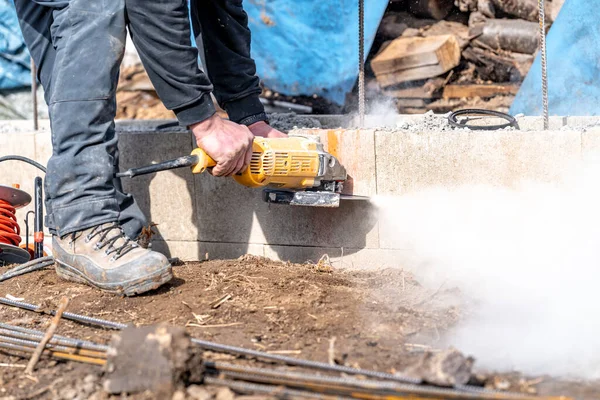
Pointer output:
x,y
226,142
263,129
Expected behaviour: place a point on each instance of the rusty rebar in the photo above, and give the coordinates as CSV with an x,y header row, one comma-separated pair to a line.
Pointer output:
x,y
32,344
352,386
56,340
55,354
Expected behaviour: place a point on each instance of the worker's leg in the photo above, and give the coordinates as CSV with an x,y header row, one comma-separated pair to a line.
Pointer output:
x,y
36,22
89,38
89,245
223,28
161,33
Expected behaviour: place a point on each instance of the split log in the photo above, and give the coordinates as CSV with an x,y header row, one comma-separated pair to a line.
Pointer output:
x,y
486,7
466,5
482,91
510,67
524,9
410,103
460,31
436,9
508,34
423,89
408,59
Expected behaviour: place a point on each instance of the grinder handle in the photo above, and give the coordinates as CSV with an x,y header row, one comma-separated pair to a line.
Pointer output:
x,y
204,161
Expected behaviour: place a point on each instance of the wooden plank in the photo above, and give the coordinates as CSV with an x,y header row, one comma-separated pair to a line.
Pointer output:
x,y
412,74
483,91
424,89
410,103
413,58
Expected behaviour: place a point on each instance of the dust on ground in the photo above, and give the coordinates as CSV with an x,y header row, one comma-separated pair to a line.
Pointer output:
x,y
380,319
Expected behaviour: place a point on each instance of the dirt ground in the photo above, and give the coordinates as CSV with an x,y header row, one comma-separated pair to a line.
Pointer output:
x,y
380,320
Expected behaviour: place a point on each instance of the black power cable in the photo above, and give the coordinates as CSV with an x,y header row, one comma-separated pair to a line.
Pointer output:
x,y
24,159
453,120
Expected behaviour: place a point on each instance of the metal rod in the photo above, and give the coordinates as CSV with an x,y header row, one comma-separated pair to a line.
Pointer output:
x,y
56,354
55,340
361,63
27,267
34,99
27,228
186,161
240,351
53,347
542,22
351,385
67,315
224,348
38,233
279,392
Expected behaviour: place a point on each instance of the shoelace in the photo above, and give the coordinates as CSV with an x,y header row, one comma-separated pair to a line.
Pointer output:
x,y
103,231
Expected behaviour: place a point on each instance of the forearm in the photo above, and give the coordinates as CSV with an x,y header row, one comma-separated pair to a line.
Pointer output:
x,y
161,33
223,26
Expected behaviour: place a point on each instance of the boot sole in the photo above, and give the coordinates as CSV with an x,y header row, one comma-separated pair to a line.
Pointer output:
x,y
128,288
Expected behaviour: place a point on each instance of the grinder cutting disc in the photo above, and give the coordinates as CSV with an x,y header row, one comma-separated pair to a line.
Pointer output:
x,y
16,197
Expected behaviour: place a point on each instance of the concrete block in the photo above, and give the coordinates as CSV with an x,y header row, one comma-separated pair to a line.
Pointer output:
x,y
529,123
167,198
347,258
230,213
194,250
355,150
412,161
224,211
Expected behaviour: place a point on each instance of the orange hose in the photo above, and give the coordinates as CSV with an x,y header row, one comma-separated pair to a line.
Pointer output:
x,y
10,232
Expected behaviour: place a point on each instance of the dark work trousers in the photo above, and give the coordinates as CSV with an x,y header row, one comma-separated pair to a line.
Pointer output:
x,y
78,48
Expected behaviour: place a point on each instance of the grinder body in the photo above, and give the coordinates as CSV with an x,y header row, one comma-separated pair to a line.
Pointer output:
x,y
292,163
293,170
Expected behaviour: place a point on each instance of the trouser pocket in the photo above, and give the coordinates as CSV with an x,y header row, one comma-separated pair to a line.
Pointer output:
x,y
89,37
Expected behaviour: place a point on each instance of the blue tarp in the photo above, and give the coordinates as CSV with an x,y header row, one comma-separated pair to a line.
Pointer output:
x,y
306,47
573,48
301,47
14,58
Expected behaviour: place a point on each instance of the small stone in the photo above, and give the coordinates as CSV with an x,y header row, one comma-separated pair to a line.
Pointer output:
x,y
446,368
178,395
68,393
225,394
199,393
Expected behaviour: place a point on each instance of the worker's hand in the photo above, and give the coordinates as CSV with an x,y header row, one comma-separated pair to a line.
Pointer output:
x,y
263,129
226,142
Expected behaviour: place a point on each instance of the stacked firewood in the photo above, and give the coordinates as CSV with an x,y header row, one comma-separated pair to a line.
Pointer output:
x,y
442,55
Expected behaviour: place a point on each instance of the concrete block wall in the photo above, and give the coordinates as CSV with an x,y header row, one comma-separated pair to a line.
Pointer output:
x,y
203,217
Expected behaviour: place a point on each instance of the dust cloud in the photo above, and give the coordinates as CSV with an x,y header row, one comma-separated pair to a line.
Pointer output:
x,y
526,260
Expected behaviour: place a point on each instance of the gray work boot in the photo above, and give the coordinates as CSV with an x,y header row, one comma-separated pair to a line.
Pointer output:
x,y
105,258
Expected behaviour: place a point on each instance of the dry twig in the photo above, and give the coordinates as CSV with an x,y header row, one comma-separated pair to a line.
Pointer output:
x,y
219,302
331,351
64,302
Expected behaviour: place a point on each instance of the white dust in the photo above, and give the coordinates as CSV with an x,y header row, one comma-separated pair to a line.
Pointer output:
x,y
527,260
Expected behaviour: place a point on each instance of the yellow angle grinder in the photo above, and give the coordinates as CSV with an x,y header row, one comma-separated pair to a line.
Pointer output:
x,y
293,170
